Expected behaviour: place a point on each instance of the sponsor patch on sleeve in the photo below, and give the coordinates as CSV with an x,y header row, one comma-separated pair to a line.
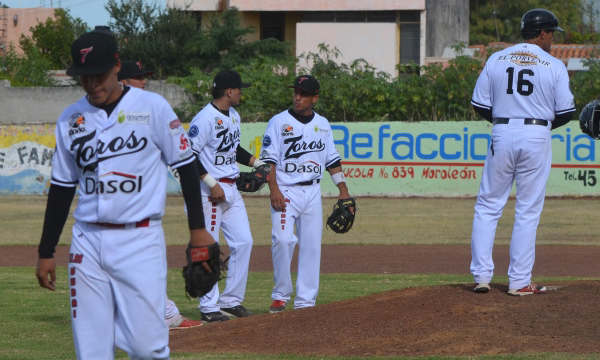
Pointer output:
x,y
193,131
175,127
267,141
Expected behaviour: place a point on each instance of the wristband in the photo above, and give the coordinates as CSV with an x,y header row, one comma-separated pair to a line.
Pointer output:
x,y
338,178
258,163
209,180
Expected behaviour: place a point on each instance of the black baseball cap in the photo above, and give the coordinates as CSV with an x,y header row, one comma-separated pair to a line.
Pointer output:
x,y
93,53
132,69
228,79
307,83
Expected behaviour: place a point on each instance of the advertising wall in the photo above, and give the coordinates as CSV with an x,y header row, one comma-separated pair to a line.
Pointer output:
x,y
379,159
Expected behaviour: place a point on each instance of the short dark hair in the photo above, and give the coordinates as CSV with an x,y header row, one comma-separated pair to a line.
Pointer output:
x,y
531,34
218,93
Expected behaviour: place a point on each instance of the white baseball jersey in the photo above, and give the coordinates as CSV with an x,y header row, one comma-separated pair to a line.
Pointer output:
x,y
215,138
300,152
524,81
120,163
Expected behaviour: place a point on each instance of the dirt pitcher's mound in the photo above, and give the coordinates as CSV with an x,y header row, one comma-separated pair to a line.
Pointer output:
x,y
443,320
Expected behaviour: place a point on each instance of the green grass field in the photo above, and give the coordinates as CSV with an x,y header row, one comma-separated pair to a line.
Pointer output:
x,y
36,322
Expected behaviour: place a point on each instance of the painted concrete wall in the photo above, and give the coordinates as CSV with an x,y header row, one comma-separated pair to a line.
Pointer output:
x,y
447,25
40,105
26,18
303,5
377,43
379,159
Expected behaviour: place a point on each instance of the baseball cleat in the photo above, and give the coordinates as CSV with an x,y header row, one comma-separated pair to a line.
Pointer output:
x,y
277,306
530,289
481,288
184,323
236,311
213,317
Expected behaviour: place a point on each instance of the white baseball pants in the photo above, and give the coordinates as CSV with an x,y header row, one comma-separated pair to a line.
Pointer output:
x,y
305,212
118,283
230,216
521,153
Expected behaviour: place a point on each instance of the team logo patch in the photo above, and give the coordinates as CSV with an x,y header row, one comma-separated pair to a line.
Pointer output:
x,y
184,142
76,124
142,118
524,58
266,141
264,154
175,127
287,130
219,123
193,131
84,53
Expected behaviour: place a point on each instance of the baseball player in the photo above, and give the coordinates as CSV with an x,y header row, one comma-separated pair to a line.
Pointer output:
x,y
215,134
133,75
524,92
115,143
298,143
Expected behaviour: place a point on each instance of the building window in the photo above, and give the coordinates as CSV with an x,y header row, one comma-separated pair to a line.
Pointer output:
x,y
410,44
350,16
272,25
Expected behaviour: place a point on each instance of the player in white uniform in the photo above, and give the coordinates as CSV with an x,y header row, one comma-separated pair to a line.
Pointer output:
x,y
133,75
524,92
115,144
215,134
298,143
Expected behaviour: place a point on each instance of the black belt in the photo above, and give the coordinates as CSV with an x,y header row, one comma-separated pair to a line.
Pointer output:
x,y
527,121
308,183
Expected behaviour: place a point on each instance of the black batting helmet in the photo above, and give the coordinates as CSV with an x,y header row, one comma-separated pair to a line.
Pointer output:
x,y
539,19
589,119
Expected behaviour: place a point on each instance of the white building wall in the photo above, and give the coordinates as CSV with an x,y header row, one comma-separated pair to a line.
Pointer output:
x,y
377,43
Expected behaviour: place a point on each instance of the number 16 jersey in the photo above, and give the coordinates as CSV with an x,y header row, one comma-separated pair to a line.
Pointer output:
x,y
524,81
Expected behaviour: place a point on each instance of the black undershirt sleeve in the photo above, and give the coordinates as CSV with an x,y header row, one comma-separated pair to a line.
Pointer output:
x,y
562,119
190,186
201,169
57,212
334,165
485,113
243,156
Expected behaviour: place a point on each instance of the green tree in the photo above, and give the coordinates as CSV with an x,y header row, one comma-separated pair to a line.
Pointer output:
x,y
171,42
27,69
500,20
3,6
54,37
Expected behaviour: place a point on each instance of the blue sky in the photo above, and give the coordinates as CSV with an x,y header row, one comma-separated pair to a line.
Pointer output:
x,y
91,12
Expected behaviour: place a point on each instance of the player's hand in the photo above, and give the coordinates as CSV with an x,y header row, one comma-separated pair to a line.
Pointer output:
x,y
346,195
44,268
201,237
277,200
217,194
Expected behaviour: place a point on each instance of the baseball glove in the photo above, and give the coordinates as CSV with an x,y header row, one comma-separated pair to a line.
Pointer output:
x,y
255,180
342,219
198,282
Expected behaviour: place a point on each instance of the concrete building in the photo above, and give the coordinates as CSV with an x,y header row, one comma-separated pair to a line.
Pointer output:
x,y
17,21
383,32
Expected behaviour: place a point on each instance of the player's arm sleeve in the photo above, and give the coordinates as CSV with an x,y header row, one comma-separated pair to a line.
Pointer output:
x,y
242,155
564,106
64,168
481,99
201,169
171,137
200,132
271,143
189,178
57,212
485,113
333,156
